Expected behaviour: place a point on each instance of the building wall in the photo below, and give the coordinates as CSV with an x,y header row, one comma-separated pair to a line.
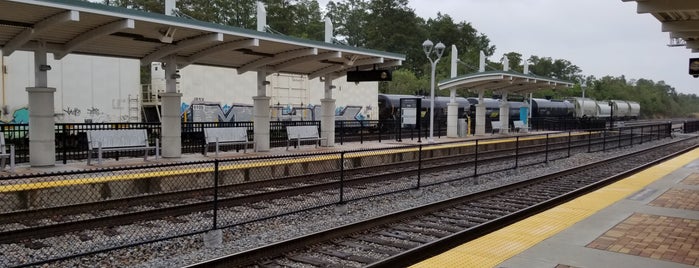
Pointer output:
x,y
87,87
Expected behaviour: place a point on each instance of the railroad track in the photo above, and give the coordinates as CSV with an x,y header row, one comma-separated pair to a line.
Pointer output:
x,y
360,182
408,236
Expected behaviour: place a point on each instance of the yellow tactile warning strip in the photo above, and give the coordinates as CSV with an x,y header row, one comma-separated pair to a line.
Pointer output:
x,y
652,236
692,179
238,165
678,198
492,249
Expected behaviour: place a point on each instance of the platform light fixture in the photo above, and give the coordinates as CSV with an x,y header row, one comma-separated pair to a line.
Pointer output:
x,y
429,48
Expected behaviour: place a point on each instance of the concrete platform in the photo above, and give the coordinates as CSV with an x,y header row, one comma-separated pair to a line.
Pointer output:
x,y
650,219
73,165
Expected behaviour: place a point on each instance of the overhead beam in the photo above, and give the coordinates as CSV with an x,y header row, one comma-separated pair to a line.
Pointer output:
x,y
319,57
680,26
684,34
181,45
233,45
693,44
377,66
31,33
281,57
90,35
665,6
332,69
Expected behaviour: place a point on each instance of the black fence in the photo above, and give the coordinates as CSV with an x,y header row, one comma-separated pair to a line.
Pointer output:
x,y
71,139
223,191
691,126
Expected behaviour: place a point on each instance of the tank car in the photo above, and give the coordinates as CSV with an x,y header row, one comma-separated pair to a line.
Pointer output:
x,y
585,107
634,110
621,108
604,110
552,108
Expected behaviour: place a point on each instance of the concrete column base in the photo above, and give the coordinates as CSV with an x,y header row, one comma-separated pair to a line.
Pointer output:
x,y
452,116
42,138
171,134
327,122
505,117
261,122
480,119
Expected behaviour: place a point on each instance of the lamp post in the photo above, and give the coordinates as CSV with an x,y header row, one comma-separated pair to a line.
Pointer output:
x,y
611,114
427,47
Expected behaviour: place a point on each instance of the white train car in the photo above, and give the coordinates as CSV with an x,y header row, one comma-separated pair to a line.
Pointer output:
x,y
621,108
634,110
585,107
604,110
88,88
225,86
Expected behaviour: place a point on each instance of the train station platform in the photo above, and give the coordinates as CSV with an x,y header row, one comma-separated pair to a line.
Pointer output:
x,y
650,219
75,165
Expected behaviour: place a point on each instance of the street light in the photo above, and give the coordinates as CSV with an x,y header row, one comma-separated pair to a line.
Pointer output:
x,y
438,50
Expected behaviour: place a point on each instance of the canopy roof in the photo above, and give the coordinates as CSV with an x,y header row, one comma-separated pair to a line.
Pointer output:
x,y
73,26
502,81
678,17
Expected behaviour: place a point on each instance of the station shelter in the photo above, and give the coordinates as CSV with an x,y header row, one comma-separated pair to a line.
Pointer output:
x,y
503,82
63,27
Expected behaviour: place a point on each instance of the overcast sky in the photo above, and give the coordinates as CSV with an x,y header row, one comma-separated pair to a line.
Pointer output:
x,y
602,37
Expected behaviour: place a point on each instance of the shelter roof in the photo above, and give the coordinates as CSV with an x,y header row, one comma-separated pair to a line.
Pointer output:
x,y
502,81
73,26
678,17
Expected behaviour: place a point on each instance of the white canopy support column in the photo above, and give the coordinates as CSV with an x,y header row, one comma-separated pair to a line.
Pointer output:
x,y
327,121
452,106
42,141
171,120
261,115
480,114
504,114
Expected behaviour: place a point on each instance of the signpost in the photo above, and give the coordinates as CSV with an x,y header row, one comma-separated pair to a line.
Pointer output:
x,y
410,115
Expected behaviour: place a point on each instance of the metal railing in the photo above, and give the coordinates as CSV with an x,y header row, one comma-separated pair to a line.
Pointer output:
x,y
71,138
222,186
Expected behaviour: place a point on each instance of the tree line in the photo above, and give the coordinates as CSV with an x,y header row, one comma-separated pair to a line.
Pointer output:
x,y
391,25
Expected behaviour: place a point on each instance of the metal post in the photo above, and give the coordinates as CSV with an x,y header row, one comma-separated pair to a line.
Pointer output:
x,y
419,165
434,65
619,137
65,143
342,131
215,194
546,158
516,151
589,140
604,141
361,132
632,137
569,134
342,177
475,162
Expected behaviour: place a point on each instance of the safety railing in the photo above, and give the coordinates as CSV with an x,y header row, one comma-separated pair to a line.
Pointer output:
x,y
189,198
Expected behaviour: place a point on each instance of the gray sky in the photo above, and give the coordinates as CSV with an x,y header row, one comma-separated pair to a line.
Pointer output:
x,y
602,37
